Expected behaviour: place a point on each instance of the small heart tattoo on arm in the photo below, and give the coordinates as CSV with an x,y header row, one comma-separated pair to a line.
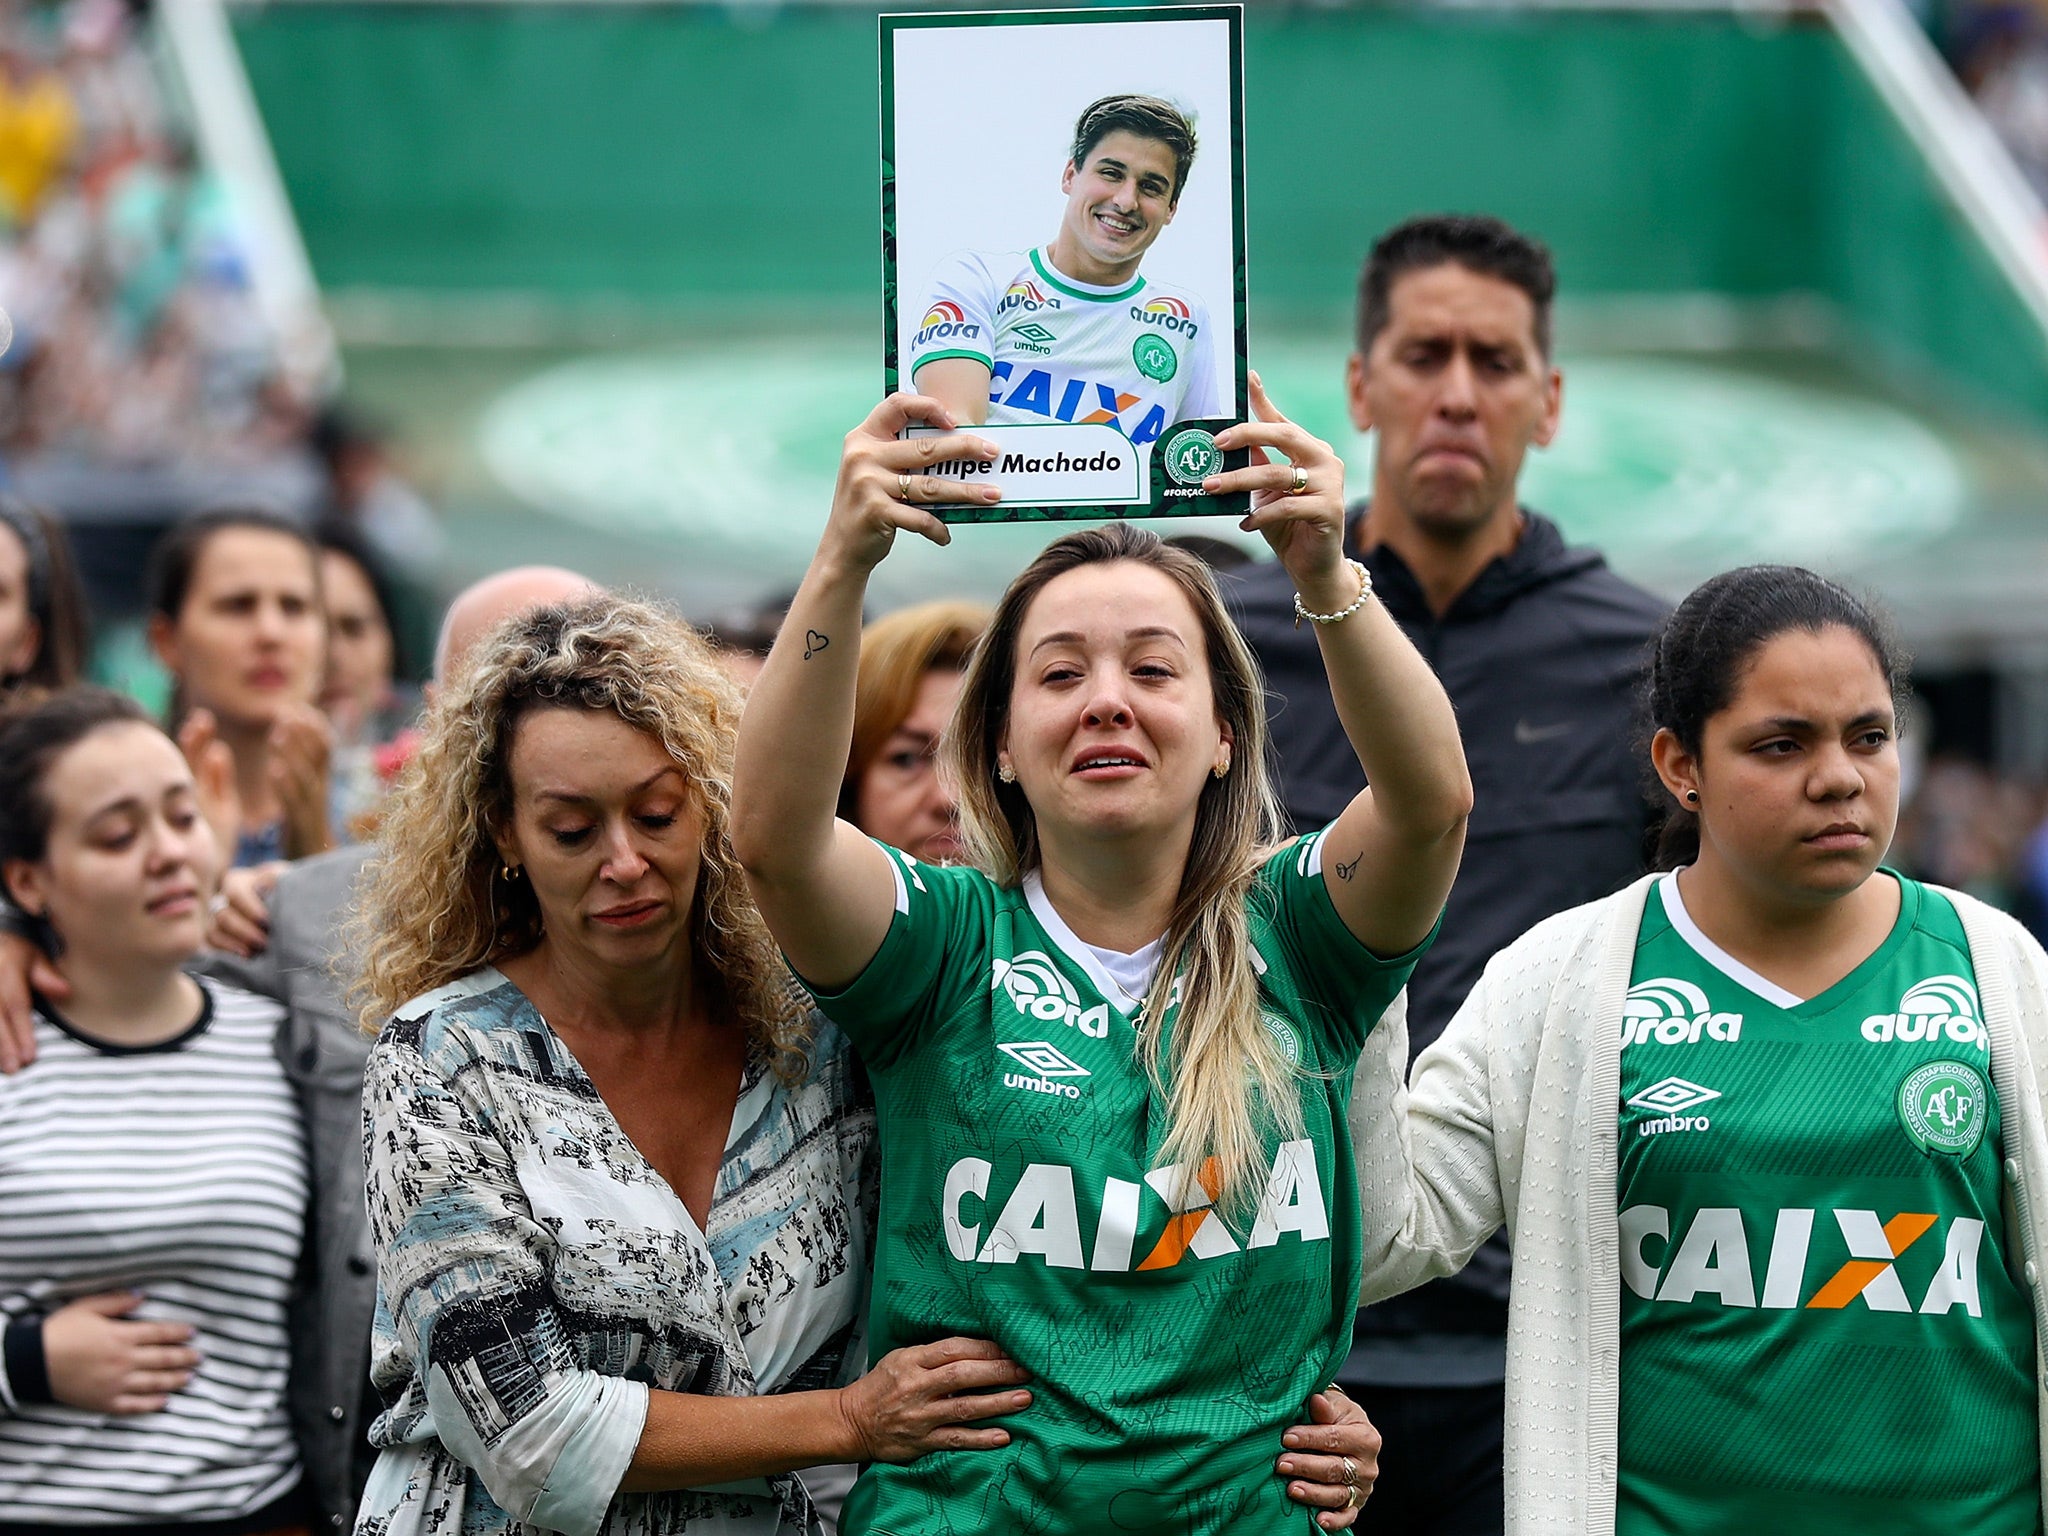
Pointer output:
x,y
814,643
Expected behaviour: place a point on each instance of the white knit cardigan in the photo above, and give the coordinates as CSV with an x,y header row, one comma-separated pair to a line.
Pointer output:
x,y
1511,1118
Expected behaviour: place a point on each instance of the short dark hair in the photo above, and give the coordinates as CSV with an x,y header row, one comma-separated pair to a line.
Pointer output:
x,y
1477,242
339,430
55,597
176,556
1217,554
33,738
1147,117
1699,657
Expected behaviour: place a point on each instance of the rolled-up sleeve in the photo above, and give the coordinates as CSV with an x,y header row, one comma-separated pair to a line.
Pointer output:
x,y
464,1271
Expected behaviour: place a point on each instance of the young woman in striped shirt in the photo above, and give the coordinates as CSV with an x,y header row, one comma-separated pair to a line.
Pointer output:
x,y
153,1177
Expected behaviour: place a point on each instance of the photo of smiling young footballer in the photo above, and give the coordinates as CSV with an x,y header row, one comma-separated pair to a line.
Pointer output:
x,y
1071,331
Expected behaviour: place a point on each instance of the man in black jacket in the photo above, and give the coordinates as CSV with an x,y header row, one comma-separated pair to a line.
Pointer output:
x,y
1540,647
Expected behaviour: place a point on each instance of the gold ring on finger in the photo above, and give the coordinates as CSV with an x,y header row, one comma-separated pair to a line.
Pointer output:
x,y
1356,1498
1350,1471
1300,481
903,487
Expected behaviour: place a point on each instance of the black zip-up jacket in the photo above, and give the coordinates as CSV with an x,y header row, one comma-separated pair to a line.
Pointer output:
x,y
1542,657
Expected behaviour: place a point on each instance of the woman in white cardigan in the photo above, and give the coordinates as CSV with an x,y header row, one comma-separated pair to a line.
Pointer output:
x,y
1764,1132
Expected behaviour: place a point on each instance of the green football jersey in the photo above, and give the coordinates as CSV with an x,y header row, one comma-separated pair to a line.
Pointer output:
x,y
1023,1200
1138,357
1820,1326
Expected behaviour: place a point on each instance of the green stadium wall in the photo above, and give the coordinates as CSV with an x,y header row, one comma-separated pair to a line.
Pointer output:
x,y
725,160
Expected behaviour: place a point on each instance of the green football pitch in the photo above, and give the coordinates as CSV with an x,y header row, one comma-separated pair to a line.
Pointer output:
x,y
1854,380
700,467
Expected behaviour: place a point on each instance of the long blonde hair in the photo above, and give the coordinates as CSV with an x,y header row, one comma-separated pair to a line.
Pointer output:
x,y
436,905
1227,1079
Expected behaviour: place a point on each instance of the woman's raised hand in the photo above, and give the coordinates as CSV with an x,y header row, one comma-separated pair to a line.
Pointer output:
x,y
213,774
301,748
885,484
922,1399
1297,501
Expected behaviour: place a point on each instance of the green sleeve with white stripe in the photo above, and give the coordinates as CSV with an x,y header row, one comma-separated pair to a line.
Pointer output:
x,y
934,956
1340,985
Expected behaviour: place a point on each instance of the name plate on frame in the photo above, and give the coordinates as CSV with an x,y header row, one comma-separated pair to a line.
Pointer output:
x,y
1069,465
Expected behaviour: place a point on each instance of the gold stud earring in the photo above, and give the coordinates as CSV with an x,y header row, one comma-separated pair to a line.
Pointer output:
x,y
1006,773
1220,769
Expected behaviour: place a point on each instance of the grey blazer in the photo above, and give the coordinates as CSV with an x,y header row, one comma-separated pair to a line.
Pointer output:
x,y
323,1055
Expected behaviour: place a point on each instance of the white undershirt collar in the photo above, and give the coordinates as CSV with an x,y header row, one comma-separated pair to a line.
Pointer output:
x,y
1714,954
1120,978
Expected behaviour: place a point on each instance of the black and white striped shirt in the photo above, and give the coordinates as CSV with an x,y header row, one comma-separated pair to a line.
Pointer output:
x,y
177,1170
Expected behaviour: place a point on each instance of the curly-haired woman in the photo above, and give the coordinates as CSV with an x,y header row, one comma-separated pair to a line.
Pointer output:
x,y
621,1182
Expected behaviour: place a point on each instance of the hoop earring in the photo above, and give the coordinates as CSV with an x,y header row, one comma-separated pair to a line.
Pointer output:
x,y
504,914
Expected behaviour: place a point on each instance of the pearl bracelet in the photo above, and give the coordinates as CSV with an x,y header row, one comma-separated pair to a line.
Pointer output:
x,y
1364,591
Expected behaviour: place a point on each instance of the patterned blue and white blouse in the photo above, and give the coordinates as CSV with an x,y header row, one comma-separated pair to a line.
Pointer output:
x,y
536,1276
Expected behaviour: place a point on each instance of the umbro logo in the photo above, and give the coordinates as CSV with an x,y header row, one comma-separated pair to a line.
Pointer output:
x,y
1044,1058
1671,1098
1048,1063
1672,1095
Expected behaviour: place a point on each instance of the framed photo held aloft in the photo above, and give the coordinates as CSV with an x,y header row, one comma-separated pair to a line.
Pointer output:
x,y
1063,263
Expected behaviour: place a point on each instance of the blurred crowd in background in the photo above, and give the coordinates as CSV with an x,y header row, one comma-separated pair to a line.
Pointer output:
x,y
1967,827
137,343
1999,50
136,337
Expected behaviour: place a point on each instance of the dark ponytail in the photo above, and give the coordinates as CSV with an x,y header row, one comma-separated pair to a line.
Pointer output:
x,y
1698,659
